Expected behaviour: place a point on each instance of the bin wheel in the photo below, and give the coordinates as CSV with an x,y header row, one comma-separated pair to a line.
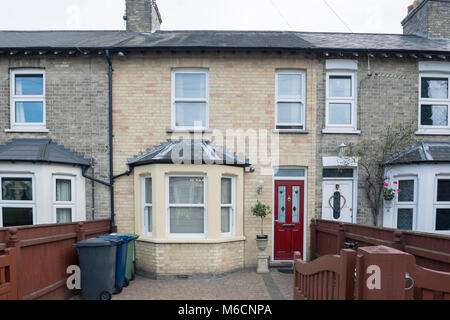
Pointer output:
x,y
126,282
118,288
105,295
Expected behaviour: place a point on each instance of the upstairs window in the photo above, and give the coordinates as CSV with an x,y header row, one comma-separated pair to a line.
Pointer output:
x,y
27,99
290,99
341,101
434,102
190,99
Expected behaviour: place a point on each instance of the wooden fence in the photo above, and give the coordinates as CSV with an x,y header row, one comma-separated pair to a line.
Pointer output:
x,y
370,273
34,259
431,251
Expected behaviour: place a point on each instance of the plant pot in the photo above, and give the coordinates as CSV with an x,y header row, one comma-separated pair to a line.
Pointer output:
x,y
261,241
388,198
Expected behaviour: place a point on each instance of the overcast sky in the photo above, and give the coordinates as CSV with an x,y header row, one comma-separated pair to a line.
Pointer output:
x,y
374,16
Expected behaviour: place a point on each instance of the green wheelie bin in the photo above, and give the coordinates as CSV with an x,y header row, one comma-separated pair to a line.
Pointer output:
x,y
129,270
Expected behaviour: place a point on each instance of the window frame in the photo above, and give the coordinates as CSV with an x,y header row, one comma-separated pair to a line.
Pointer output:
x,y
64,204
434,101
18,203
407,204
232,206
145,230
302,101
26,126
174,100
204,206
341,100
439,204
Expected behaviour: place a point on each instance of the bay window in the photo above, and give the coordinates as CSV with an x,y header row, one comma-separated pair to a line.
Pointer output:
x,y
17,200
442,204
186,205
406,204
148,206
290,99
190,99
27,104
434,102
64,198
227,206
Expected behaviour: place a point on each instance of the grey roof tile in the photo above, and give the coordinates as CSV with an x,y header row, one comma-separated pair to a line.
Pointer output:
x,y
423,152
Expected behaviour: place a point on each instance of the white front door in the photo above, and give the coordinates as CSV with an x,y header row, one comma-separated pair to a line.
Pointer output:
x,y
337,203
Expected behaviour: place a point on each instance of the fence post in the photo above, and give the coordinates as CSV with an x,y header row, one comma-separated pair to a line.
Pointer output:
x,y
14,242
382,274
81,232
340,238
313,240
347,281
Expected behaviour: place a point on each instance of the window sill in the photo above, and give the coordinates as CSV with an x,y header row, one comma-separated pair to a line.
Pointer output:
x,y
188,131
341,131
433,132
38,130
189,240
287,131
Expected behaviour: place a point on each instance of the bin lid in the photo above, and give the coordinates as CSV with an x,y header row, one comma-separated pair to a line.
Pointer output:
x,y
133,235
97,242
124,239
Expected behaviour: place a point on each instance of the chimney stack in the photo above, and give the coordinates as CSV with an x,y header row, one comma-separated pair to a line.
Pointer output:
x,y
142,16
428,18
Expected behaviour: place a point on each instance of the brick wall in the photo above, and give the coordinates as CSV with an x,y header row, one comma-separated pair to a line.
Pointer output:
x,y
431,18
76,111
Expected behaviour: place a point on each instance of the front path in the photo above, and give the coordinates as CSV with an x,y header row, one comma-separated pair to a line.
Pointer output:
x,y
246,285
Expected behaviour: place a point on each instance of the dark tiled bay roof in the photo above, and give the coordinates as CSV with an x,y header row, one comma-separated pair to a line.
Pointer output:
x,y
40,150
424,152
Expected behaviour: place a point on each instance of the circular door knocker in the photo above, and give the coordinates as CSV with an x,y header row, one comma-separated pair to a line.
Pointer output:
x,y
335,203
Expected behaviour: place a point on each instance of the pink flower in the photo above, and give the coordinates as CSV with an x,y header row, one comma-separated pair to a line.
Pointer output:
x,y
386,184
398,190
395,182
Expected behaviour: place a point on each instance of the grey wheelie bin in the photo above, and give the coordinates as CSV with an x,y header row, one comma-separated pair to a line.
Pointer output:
x,y
97,258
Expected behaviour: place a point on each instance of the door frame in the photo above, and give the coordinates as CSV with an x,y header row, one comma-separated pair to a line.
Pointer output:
x,y
305,205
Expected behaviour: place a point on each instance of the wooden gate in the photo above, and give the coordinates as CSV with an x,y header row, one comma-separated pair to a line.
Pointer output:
x,y
371,273
8,279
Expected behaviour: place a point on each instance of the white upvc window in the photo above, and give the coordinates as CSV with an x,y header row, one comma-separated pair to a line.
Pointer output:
x,y
227,206
341,101
17,201
442,204
27,99
63,198
290,99
406,203
434,102
147,205
190,99
186,206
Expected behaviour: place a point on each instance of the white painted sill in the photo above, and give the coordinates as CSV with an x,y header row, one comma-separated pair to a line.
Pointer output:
x,y
341,131
188,131
188,241
433,132
30,130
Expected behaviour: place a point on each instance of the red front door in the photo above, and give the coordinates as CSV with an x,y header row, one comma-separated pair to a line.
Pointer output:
x,y
288,224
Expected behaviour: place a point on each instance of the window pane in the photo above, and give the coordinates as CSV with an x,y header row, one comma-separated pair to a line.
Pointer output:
x,y
289,112
63,190
281,204
186,190
148,190
289,86
435,88
63,215
29,84
340,113
226,190
340,86
443,219
29,112
405,219
148,213
443,190
17,189
17,216
225,220
295,204
187,113
290,172
190,85
186,220
337,173
406,191
434,115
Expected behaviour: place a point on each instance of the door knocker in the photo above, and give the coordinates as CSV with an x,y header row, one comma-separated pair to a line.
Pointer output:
x,y
336,205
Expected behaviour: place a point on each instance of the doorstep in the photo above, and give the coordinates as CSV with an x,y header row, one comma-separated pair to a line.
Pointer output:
x,y
280,264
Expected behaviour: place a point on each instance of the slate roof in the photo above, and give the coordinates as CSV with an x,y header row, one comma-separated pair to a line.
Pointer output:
x,y
40,150
123,40
188,152
424,152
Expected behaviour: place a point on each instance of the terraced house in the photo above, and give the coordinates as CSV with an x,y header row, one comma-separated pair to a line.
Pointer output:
x,y
202,124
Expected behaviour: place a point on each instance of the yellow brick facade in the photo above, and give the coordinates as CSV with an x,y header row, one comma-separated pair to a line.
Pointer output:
x,y
241,96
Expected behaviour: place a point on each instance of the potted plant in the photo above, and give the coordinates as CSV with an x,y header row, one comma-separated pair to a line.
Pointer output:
x,y
261,210
389,193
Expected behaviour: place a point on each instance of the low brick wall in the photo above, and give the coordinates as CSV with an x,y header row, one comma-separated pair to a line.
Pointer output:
x,y
161,260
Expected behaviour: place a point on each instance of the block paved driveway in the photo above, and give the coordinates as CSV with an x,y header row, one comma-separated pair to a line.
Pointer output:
x,y
245,285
